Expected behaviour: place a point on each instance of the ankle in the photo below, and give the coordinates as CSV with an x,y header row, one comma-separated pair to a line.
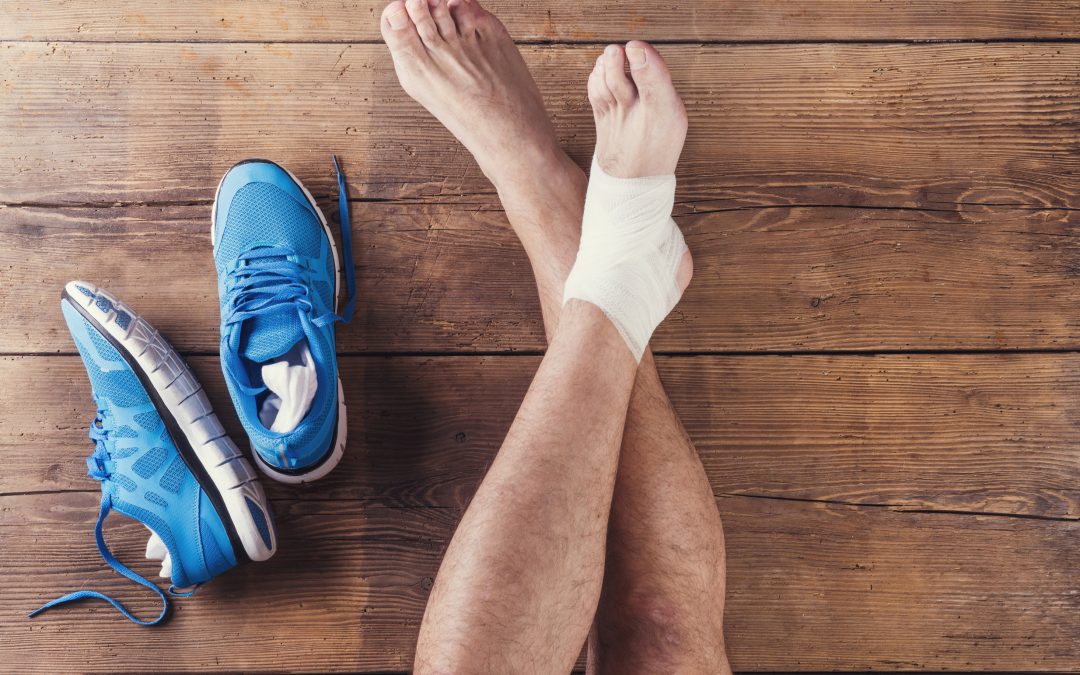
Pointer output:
x,y
543,197
582,324
535,173
544,204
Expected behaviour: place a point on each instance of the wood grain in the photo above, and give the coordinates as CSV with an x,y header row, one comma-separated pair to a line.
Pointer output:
x,y
696,20
987,433
810,586
927,126
848,189
771,279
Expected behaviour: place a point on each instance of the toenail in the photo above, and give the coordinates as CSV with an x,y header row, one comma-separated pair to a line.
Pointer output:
x,y
398,19
636,56
611,51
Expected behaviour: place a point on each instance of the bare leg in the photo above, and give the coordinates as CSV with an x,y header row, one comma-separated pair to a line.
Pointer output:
x,y
519,584
662,602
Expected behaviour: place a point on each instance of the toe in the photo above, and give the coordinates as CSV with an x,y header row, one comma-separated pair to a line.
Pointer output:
x,y
420,13
440,12
649,70
599,95
487,24
615,75
398,30
467,14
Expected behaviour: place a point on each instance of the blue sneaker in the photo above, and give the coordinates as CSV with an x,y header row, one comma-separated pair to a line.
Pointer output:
x,y
278,268
161,455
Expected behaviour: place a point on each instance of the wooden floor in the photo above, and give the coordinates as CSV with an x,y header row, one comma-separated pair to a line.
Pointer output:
x,y
878,359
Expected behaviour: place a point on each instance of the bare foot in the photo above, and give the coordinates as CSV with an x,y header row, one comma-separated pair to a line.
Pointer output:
x,y
457,60
640,119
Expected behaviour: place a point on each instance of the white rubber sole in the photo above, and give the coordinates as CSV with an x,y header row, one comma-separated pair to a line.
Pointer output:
x,y
177,389
338,450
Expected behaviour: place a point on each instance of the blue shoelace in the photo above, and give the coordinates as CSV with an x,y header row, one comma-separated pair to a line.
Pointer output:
x,y
345,224
100,466
264,279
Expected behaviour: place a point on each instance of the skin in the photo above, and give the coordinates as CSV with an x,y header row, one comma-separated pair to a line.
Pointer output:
x,y
659,573
521,577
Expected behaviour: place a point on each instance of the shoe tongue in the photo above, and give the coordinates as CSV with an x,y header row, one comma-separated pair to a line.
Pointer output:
x,y
271,334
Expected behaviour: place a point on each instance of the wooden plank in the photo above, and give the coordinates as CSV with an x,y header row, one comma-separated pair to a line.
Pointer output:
x,y
422,270
697,20
811,586
986,433
766,279
855,125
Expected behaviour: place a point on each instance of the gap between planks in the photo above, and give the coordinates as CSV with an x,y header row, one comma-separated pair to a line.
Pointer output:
x,y
376,503
497,208
449,353
587,43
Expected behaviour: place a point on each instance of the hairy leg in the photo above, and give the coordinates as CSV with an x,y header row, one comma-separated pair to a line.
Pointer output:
x,y
519,584
663,596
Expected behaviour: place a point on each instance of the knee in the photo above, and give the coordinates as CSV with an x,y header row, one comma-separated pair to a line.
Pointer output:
x,y
650,632
647,627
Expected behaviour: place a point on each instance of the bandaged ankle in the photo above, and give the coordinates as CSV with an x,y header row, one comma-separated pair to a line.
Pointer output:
x,y
630,253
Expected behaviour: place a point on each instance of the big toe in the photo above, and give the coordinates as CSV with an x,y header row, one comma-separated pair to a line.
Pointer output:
x,y
649,71
398,30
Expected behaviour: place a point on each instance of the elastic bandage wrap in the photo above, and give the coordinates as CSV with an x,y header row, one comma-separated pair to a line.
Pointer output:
x,y
630,253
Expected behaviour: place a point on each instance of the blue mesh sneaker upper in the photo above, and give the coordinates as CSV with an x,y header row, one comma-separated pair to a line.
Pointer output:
x,y
142,474
277,282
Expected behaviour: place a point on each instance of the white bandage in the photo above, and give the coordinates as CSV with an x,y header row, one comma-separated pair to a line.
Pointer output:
x,y
630,253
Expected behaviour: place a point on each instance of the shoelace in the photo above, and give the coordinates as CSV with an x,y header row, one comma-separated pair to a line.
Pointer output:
x,y
265,279
345,224
100,467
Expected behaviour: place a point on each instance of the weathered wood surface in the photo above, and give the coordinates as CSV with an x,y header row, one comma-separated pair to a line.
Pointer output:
x,y
909,511
561,21
910,125
766,279
811,586
986,433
